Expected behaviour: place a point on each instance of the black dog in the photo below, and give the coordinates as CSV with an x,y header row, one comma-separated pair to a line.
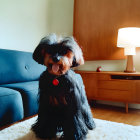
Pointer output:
x,y
63,105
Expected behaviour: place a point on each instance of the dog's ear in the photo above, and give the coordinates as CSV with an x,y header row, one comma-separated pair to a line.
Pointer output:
x,y
46,42
39,53
74,47
78,56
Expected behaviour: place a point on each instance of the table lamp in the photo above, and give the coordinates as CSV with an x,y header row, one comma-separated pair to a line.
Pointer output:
x,y
129,39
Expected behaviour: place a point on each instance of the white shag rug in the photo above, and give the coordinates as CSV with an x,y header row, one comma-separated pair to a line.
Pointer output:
x,y
105,130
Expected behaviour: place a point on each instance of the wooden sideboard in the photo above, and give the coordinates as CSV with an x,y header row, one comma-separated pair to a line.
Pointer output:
x,y
112,86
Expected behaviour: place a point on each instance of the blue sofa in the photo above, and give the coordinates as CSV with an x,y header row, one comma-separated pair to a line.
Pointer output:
x,y
19,75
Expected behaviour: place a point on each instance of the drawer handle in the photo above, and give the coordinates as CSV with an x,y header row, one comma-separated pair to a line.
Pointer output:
x,y
123,77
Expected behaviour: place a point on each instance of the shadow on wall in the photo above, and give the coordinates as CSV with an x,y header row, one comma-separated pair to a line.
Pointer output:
x,y
107,65
61,17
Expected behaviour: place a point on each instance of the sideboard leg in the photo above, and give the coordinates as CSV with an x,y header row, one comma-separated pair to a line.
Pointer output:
x,y
126,107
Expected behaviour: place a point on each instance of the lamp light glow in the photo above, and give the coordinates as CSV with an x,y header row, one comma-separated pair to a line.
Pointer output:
x,y
129,39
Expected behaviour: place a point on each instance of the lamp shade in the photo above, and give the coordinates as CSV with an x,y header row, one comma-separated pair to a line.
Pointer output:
x,y
129,38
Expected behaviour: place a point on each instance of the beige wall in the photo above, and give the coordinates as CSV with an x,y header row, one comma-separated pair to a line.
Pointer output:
x,y
22,23
61,19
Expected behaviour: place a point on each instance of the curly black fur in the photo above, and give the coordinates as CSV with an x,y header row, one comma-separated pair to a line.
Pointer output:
x,y
74,119
63,107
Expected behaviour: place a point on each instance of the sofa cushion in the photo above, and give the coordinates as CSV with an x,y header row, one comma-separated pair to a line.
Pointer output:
x,y
29,93
17,66
11,107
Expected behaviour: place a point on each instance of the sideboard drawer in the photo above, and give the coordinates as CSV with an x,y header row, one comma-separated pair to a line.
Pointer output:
x,y
115,94
103,76
118,85
112,86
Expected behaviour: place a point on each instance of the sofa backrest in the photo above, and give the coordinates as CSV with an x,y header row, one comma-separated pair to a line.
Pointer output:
x,y
17,66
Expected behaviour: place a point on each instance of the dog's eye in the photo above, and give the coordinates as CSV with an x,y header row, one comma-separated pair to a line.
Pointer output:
x,y
64,52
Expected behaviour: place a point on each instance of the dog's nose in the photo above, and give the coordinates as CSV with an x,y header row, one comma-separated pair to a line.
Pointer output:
x,y
56,58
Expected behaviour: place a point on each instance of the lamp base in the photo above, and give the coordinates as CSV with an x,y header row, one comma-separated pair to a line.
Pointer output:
x,y
130,65
129,71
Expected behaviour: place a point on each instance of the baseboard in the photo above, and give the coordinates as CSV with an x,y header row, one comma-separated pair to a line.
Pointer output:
x,y
119,104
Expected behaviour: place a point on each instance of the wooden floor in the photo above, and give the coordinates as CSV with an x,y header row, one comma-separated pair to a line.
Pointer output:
x,y
116,114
